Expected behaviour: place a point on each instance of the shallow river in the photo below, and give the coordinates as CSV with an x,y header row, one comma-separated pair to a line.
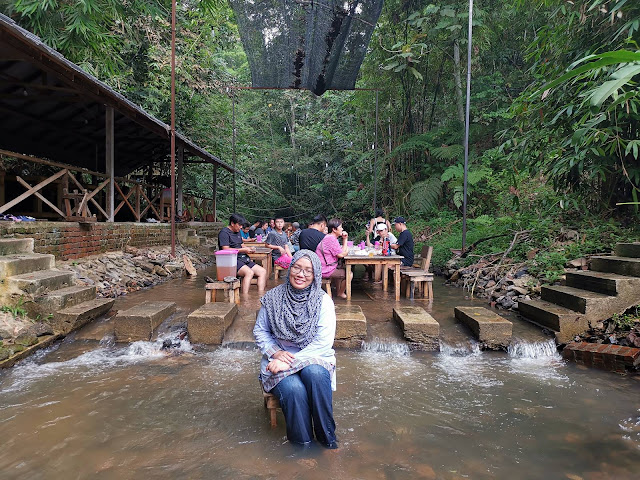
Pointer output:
x,y
87,409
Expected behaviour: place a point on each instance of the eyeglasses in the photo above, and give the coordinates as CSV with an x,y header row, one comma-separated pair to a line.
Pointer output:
x,y
296,270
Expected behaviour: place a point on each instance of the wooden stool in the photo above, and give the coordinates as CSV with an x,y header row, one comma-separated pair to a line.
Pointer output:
x,y
326,283
272,404
230,286
277,270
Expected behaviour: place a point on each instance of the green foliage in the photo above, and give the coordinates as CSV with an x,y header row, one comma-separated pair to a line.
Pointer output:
x,y
17,310
627,320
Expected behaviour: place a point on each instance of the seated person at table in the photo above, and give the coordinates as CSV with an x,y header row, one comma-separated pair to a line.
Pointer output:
x,y
261,229
277,240
310,237
295,330
244,233
329,251
404,245
229,237
377,220
252,228
382,234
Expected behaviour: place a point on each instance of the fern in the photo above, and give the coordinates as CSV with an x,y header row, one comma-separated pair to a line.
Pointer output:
x,y
425,194
417,142
448,152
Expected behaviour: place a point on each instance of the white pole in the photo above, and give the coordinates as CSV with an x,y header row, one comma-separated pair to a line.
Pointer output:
x,y
466,131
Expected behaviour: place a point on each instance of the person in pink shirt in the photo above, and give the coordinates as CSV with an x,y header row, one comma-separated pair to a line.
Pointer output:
x,y
329,251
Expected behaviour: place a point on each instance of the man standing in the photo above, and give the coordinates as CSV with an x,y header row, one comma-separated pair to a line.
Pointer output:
x,y
229,237
312,236
295,237
404,246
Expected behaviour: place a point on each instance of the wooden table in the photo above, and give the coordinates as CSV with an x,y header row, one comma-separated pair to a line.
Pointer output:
x,y
254,244
392,261
262,255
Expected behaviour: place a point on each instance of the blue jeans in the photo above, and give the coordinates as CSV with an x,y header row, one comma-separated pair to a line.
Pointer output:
x,y
306,399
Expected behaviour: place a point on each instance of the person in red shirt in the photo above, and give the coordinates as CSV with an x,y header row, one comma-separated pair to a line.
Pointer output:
x,y
329,251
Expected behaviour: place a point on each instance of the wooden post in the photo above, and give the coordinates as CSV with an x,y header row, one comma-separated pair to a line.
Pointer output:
x,y
180,177
215,191
109,159
2,195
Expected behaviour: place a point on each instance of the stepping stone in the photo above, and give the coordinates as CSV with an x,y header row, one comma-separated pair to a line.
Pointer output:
x,y
566,323
139,322
628,250
351,326
419,327
208,323
491,330
615,264
65,297
72,318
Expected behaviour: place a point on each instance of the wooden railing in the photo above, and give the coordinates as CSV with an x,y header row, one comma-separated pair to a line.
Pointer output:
x,y
87,202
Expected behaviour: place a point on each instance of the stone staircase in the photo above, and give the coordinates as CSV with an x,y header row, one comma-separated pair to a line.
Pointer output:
x,y
611,286
45,291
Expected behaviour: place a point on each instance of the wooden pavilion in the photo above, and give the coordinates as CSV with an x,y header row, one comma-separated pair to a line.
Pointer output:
x,y
55,114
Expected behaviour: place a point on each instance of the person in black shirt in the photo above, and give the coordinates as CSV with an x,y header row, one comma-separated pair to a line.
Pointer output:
x,y
405,242
312,236
229,237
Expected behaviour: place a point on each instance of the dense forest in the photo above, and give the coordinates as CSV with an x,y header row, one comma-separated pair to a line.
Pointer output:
x,y
555,120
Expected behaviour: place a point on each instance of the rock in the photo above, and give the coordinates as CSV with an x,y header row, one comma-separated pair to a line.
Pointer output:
x,y
172,267
490,284
26,339
131,250
158,270
577,263
40,328
455,276
518,290
4,353
507,302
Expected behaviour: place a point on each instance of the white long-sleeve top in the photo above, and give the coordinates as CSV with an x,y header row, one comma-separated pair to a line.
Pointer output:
x,y
320,351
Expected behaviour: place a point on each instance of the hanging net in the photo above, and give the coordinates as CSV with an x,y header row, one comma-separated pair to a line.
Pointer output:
x,y
310,44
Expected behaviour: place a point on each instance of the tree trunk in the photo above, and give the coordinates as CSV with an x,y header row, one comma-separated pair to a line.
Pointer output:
x,y
458,80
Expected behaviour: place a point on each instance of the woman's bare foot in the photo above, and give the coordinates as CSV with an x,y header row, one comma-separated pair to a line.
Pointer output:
x,y
343,295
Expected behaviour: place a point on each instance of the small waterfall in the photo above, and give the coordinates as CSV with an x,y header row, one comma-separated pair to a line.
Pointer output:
x,y
378,345
522,349
459,350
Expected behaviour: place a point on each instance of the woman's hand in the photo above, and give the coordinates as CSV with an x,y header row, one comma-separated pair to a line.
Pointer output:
x,y
284,356
275,366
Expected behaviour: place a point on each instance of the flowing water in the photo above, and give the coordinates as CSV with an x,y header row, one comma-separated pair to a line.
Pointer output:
x,y
96,409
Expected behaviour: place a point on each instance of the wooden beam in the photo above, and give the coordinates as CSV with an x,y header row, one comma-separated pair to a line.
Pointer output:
x,y
37,194
180,177
90,197
109,158
30,192
215,191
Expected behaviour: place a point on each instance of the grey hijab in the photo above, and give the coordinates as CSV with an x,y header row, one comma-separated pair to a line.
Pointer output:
x,y
294,314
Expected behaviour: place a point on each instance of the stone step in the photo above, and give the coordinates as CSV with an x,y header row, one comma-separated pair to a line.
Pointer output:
x,y
628,250
581,301
41,281
208,324
602,282
139,322
17,264
351,326
491,330
565,322
65,297
74,317
10,246
613,264
418,326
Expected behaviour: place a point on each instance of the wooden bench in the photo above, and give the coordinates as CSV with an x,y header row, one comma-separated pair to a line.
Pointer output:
x,y
276,271
231,289
419,276
272,404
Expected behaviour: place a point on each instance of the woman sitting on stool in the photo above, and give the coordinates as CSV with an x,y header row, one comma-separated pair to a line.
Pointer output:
x,y
295,330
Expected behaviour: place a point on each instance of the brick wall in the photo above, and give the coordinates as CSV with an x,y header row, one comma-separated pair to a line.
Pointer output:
x,y
69,240
605,356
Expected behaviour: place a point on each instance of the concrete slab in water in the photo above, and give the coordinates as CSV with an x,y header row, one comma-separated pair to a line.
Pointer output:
x,y
208,323
138,323
418,326
351,326
493,331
